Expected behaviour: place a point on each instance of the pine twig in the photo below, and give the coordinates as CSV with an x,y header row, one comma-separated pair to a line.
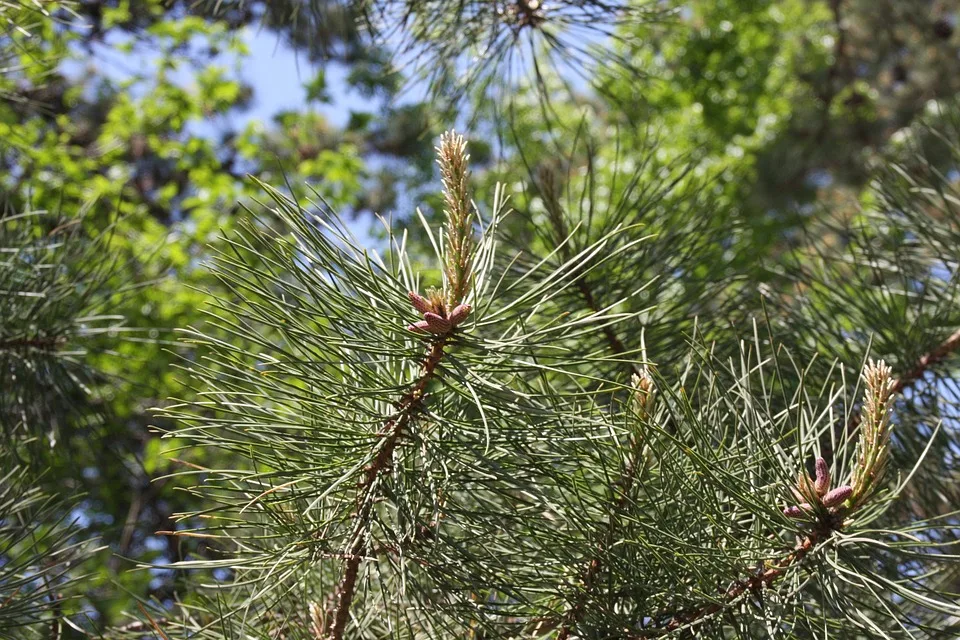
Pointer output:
x,y
153,623
752,584
392,433
549,188
139,625
927,360
574,615
549,191
872,453
616,345
643,396
442,312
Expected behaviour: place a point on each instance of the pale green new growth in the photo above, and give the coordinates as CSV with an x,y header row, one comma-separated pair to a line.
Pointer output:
x,y
454,160
873,448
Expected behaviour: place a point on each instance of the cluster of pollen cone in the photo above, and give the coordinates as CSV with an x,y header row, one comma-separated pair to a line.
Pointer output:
x,y
816,494
436,317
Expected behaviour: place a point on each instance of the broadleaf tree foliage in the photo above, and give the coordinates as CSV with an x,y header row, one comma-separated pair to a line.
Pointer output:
x,y
580,393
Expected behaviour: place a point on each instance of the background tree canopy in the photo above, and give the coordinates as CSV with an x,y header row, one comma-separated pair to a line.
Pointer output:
x,y
730,205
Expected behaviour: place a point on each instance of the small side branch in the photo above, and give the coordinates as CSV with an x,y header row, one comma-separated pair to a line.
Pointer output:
x,y
831,506
441,312
574,615
547,184
616,345
642,402
938,354
753,584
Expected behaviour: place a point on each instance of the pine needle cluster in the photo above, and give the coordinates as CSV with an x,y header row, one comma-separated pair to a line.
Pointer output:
x,y
54,289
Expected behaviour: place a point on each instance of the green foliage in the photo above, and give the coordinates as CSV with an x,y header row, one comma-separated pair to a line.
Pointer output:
x,y
592,417
38,548
492,479
57,293
150,153
787,103
55,297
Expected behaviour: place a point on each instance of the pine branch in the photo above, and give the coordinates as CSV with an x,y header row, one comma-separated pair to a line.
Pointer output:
x,y
56,609
462,49
442,312
40,549
392,433
752,584
872,454
616,345
549,188
939,353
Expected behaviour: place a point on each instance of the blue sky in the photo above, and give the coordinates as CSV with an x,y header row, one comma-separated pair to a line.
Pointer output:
x,y
277,75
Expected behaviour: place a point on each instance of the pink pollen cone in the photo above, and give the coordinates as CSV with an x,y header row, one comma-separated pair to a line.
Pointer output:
x,y
420,303
837,496
796,512
822,484
437,324
459,314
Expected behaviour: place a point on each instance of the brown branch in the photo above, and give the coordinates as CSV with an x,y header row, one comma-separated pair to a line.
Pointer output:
x,y
548,190
616,345
927,360
754,583
56,625
44,343
153,623
56,607
574,615
528,13
392,432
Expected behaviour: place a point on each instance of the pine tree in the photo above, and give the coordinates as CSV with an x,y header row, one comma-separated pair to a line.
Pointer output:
x,y
41,549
